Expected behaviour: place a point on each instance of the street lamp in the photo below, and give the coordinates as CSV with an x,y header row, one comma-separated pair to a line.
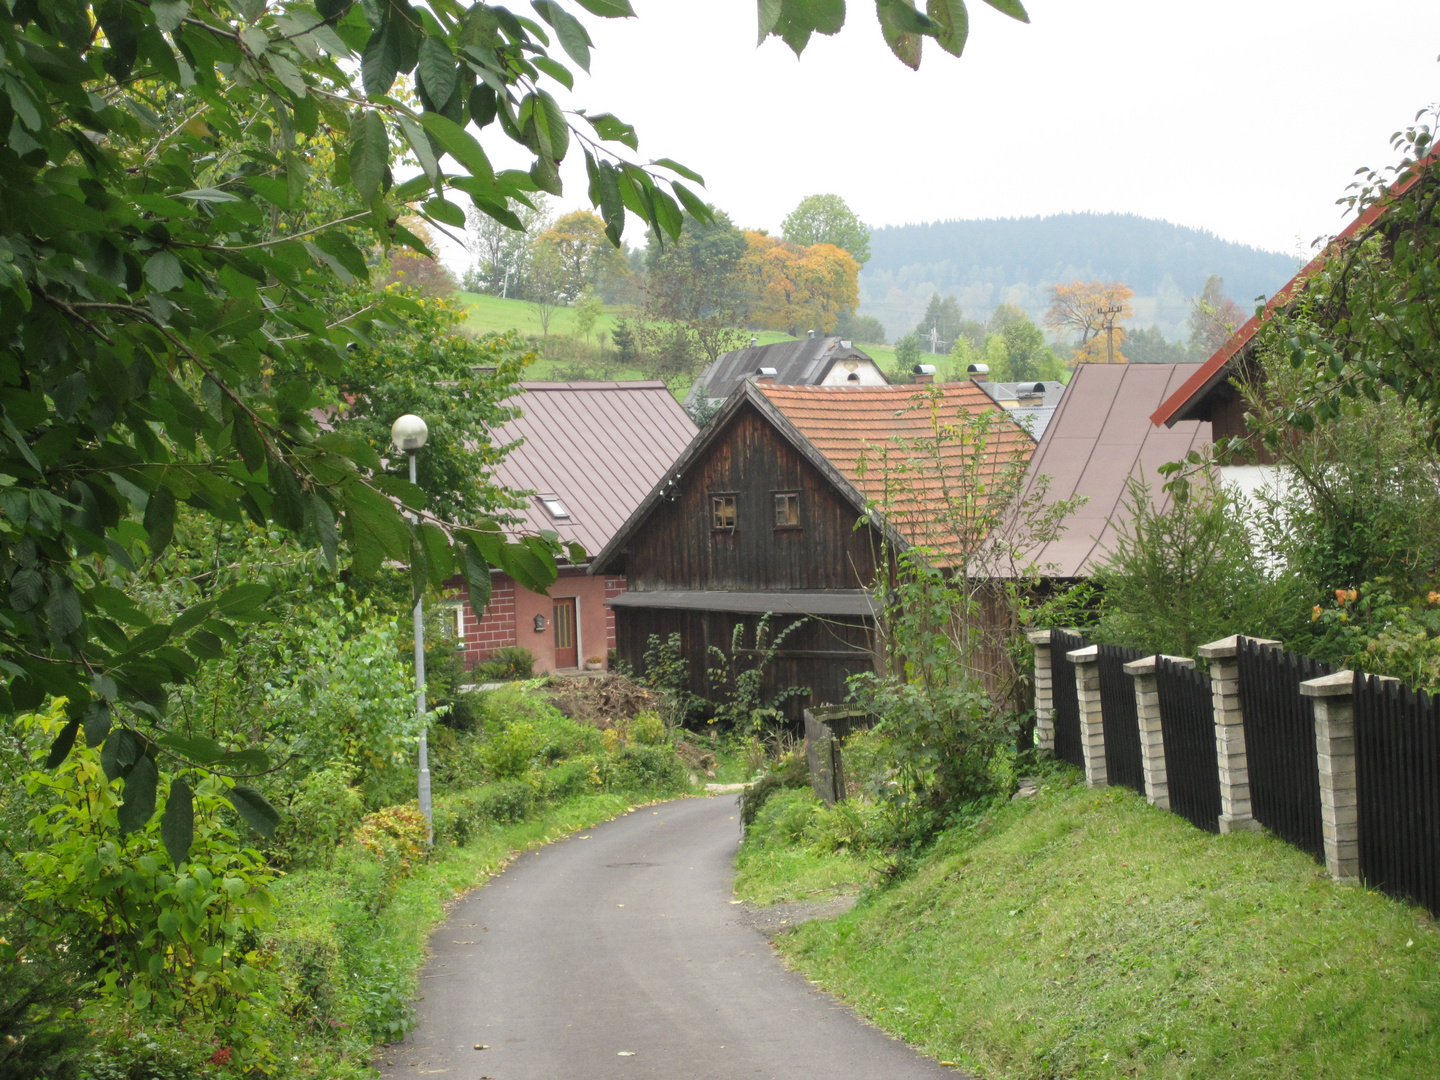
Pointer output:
x,y
409,434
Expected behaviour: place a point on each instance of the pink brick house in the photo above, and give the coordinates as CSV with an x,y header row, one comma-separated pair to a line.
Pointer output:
x,y
590,454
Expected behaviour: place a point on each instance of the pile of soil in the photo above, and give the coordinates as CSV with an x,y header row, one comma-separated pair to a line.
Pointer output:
x,y
601,701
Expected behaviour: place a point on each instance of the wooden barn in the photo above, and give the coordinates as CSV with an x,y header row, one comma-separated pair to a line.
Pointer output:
x,y
760,514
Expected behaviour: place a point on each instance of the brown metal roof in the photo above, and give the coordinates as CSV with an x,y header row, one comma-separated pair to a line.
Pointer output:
x,y
599,447
802,362
1100,436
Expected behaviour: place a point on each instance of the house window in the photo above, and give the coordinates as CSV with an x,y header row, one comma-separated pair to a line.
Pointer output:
x,y
557,509
787,510
722,512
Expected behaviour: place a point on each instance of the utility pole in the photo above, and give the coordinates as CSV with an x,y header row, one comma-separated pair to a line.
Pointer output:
x,y
1110,313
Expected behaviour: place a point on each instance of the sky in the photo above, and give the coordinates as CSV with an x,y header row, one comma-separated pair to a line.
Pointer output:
x,y
1244,117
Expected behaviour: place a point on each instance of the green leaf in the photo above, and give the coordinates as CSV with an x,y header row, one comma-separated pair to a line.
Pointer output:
x,y
612,129
459,144
608,9
139,805
439,559
376,529
477,576
1013,8
898,26
163,270
446,212
573,38
954,23
437,70
424,153
675,166
97,723
60,748
252,760
551,126
209,194
325,527
242,601
159,520
769,15
27,588
177,825
528,567
612,203
199,749
342,249
369,154
255,809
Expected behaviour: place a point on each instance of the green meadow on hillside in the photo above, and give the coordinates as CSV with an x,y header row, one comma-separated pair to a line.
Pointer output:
x,y
489,314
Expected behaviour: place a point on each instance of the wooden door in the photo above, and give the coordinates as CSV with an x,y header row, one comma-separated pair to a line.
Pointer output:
x,y
567,651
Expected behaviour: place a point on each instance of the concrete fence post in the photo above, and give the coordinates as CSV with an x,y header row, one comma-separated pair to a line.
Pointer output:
x,y
1092,714
1334,700
1152,736
1235,810
1044,691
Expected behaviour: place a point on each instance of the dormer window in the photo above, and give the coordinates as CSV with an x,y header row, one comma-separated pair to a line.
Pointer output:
x,y
556,509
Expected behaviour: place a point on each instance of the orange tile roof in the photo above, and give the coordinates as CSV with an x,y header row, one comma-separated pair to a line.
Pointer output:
x,y
881,437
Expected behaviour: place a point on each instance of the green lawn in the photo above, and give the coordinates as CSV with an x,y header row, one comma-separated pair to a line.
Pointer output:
x,y
1084,933
491,313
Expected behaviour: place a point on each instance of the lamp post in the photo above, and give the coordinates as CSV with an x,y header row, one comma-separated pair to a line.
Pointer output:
x,y
409,433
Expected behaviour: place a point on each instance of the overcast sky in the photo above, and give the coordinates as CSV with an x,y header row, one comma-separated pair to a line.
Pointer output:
x,y
1244,117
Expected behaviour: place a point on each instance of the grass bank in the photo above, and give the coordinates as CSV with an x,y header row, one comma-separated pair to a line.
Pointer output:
x,y
1083,933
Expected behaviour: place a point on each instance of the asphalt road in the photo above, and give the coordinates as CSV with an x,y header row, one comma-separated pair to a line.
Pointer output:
x,y
616,953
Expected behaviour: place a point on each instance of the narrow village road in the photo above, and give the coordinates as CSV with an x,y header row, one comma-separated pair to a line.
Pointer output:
x,y
617,954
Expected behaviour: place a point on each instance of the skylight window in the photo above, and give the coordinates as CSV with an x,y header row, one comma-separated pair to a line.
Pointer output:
x,y
557,509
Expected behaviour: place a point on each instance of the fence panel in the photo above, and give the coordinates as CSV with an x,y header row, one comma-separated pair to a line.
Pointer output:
x,y
1066,702
1280,743
1187,717
1122,725
1397,765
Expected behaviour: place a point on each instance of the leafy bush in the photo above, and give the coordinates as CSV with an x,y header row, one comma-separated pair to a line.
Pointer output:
x,y
647,768
508,664
396,836
170,938
460,817
510,752
648,729
322,814
42,1040
790,771
1375,630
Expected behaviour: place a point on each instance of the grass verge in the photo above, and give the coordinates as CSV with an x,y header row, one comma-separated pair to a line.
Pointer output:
x,y
1084,933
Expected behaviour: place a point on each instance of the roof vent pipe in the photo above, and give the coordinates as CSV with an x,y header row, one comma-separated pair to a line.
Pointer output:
x,y
754,341
812,335
765,375
978,372
924,373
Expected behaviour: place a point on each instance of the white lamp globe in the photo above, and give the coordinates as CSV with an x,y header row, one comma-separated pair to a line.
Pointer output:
x,y
409,433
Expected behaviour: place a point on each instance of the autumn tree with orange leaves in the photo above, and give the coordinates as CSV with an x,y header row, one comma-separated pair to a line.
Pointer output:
x,y
1091,307
795,288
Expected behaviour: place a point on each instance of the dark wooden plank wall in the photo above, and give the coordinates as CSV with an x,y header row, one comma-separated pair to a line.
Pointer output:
x,y
677,548
821,654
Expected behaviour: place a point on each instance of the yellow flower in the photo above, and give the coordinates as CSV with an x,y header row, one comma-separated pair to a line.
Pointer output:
x,y
1340,596
1352,595
1315,613
1434,597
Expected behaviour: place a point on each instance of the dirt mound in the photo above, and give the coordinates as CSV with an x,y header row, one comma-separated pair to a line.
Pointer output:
x,y
601,701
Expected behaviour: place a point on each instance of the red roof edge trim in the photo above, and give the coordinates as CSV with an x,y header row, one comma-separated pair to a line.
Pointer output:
x,y
1213,370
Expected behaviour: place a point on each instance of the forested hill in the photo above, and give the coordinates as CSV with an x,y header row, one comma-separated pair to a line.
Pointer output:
x,y
1016,260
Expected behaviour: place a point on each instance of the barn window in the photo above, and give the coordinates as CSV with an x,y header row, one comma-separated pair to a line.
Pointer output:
x,y
722,512
787,510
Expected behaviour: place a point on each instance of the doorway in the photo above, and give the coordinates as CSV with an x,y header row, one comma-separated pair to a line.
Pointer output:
x,y
567,647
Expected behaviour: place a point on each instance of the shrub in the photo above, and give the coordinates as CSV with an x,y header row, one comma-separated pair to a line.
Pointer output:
x,y
511,751
508,664
460,817
396,836
790,771
647,768
648,729
572,778
321,815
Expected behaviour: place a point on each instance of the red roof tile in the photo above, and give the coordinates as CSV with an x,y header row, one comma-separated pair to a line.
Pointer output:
x,y
857,427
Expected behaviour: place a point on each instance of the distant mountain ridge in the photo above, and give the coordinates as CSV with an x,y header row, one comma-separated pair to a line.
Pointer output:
x,y
986,262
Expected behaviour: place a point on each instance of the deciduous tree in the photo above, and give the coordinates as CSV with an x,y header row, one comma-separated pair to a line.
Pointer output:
x,y
941,322
1094,309
1214,317
797,289
698,285
826,219
583,252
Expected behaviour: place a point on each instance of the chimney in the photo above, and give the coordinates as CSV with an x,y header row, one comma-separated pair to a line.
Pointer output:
x,y
924,373
765,375
754,341
812,335
978,372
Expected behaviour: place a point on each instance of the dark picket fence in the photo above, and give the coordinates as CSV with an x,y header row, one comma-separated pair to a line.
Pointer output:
x,y
1066,701
1397,764
1280,743
1122,726
1191,768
